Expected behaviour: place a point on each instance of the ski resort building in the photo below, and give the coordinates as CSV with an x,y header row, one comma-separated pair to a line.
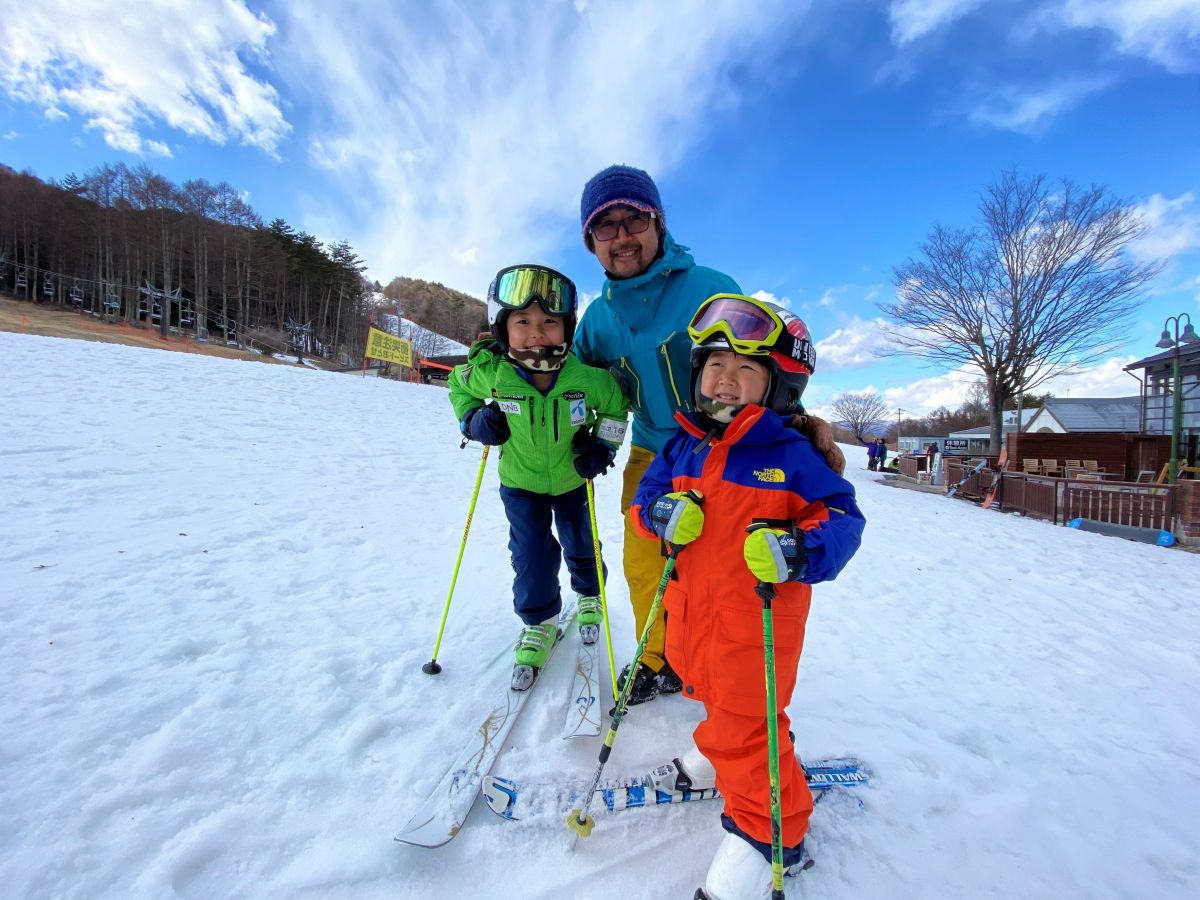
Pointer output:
x,y
1157,401
1067,415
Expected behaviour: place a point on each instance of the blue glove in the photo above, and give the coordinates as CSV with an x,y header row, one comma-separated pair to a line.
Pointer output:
x,y
774,555
592,456
486,424
677,517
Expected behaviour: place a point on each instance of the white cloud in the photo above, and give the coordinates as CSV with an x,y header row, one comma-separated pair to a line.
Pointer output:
x,y
913,19
1024,110
476,127
1174,227
854,344
11,135
173,63
923,395
1166,32
1105,379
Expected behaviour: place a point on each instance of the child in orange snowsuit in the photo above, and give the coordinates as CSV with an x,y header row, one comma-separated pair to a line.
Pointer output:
x,y
753,501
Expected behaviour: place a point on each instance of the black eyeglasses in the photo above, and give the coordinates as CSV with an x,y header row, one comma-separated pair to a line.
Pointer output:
x,y
633,224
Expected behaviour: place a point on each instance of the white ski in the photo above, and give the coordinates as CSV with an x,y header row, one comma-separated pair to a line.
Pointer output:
x,y
583,704
546,801
444,811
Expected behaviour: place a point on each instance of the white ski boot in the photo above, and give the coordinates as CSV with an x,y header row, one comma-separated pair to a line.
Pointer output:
x,y
739,872
692,772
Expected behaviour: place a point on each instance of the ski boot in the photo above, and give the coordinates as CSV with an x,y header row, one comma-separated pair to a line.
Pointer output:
x,y
533,649
668,681
739,870
691,773
645,685
591,616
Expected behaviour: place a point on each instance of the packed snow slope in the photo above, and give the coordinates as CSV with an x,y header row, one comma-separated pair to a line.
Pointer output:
x,y
219,580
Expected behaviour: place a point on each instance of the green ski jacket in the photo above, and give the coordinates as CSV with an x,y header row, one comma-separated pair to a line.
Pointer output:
x,y
538,456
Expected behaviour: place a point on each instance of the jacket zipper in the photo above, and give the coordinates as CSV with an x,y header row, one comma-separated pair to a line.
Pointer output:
x,y
555,420
670,372
637,383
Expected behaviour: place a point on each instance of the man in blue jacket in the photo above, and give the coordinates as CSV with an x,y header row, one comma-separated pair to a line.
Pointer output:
x,y
637,328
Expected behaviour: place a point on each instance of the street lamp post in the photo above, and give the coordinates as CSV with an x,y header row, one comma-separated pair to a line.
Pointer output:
x,y
1169,342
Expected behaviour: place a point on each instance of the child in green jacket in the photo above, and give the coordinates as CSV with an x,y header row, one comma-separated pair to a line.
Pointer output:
x,y
560,423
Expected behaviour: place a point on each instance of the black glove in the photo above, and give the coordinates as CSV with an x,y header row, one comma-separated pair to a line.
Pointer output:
x,y
487,424
592,456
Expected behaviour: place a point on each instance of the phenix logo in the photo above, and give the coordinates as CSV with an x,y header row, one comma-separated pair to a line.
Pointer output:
x,y
773,476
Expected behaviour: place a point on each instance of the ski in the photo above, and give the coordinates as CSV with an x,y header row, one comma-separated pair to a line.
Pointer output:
x,y
443,812
511,799
989,496
583,704
979,467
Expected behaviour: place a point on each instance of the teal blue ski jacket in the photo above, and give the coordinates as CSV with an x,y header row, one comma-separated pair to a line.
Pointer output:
x,y
637,329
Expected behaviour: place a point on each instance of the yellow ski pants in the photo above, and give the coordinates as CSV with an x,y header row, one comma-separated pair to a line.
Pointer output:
x,y
643,563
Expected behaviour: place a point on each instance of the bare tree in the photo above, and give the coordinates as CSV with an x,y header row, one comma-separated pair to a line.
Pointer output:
x,y
861,414
1040,286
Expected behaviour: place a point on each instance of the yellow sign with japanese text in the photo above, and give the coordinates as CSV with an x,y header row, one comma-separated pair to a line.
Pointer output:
x,y
381,345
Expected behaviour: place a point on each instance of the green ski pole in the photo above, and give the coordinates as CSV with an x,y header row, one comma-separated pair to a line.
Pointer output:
x,y
612,669
578,820
432,667
766,593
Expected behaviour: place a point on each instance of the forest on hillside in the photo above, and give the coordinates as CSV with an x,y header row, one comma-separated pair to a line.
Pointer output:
x,y
129,245
444,310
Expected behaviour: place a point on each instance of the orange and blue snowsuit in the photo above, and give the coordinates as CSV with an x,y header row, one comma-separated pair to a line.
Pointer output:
x,y
759,470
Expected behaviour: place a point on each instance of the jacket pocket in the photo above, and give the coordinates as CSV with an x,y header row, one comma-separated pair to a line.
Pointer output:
x,y
735,659
675,367
681,641
630,381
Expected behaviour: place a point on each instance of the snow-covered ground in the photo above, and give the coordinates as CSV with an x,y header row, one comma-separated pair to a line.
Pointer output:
x,y
219,579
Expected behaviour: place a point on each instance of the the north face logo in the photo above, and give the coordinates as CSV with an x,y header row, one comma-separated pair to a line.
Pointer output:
x,y
772,476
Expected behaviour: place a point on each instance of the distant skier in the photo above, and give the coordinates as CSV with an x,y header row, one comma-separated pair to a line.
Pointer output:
x,y
754,501
873,454
560,422
882,454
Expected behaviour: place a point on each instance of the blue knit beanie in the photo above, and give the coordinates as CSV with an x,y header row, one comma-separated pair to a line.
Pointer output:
x,y
617,186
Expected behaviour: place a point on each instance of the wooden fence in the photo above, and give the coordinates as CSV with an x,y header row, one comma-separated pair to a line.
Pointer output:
x,y
1059,500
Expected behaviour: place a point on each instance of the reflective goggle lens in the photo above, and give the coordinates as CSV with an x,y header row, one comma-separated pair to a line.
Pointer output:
x,y
740,319
517,287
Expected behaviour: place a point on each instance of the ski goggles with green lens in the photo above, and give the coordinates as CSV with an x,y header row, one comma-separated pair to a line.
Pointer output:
x,y
518,286
750,327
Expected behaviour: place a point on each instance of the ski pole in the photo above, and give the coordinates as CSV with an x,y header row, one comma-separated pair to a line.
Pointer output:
x,y
766,593
432,667
612,668
578,820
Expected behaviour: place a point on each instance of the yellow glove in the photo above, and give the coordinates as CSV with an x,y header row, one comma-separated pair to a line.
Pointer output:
x,y
774,555
677,517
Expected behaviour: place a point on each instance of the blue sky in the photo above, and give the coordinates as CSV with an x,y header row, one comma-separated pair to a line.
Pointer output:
x,y
804,148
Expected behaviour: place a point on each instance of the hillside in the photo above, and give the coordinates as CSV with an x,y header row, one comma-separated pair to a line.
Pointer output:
x,y
438,308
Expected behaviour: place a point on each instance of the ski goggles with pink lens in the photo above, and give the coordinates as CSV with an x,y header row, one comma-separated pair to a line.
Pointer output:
x,y
749,327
